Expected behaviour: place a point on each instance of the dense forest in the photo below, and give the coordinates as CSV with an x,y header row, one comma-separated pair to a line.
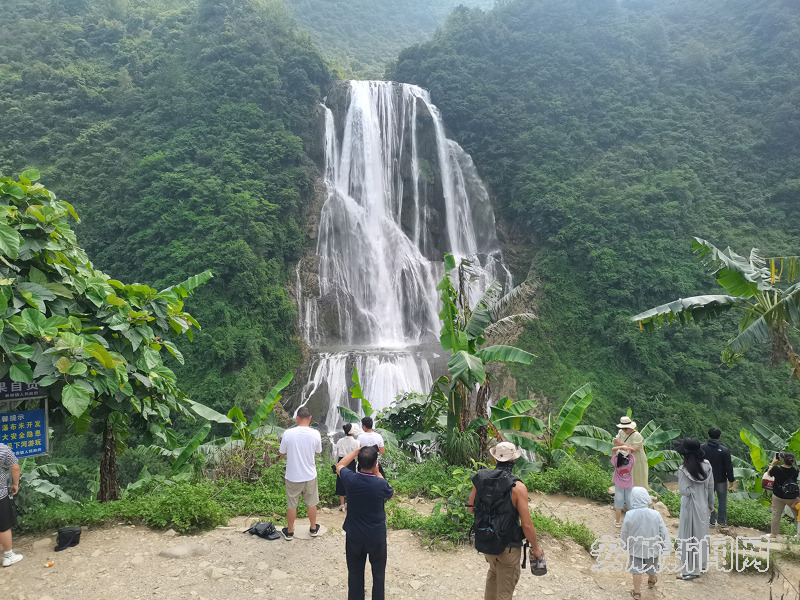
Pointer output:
x,y
176,129
361,36
610,133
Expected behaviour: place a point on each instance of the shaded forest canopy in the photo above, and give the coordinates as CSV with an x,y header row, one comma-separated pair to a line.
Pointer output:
x,y
610,133
182,124
361,36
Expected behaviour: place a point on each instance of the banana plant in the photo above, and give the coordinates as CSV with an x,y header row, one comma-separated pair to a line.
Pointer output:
x,y
769,311
656,442
763,443
356,393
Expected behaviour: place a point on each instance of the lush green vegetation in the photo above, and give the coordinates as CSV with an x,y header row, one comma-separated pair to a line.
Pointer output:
x,y
176,128
361,36
610,133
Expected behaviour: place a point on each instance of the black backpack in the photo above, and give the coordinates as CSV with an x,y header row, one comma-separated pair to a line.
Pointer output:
x,y
264,530
790,488
496,520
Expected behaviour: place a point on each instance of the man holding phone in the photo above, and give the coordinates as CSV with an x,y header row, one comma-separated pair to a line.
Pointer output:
x,y
8,519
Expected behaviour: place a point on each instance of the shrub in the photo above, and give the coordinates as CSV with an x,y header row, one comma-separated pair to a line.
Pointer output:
x,y
184,508
581,478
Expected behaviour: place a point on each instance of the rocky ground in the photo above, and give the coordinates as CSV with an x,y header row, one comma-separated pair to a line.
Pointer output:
x,y
128,562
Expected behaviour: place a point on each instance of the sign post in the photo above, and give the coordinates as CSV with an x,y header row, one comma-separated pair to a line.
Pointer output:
x,y
23,422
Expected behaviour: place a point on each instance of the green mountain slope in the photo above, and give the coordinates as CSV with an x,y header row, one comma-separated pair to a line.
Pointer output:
x,y
610,133
182,125
362,36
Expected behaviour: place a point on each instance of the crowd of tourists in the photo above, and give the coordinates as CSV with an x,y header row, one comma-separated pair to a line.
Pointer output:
x,y
503,527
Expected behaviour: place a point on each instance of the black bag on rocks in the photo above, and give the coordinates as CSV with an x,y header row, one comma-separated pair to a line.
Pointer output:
x,y
68,537
264,530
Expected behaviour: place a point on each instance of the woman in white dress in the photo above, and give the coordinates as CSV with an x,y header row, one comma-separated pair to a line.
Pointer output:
x,y
344,447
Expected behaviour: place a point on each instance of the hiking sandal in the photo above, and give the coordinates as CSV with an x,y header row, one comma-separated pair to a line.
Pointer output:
x,y
636,595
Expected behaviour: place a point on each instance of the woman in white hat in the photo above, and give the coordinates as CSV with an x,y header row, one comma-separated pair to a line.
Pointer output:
x,y
633,441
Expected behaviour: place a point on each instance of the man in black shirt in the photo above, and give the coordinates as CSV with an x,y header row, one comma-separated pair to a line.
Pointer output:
x,y
365,524
720,458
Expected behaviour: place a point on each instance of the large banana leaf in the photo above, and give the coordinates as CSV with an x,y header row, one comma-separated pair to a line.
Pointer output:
x,y
664,461
270,401
512,419
594,432
508,324
482,315
793,444
208,413
757,455
775,440
571,414
517,408
348,415
591,443
190,448
523,442
505,354
466,368
659,437
739,276
759,331
686,309
358,394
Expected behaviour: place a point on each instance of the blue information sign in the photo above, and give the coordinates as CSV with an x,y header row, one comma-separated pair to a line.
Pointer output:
x,y
24,432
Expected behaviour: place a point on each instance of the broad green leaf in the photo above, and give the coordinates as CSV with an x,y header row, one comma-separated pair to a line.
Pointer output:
x,y
63,364
449,262
466,368
77,368
75,399
757,456
191,447
591,443
505,354
173,349
21,371
208,413
273,397
101,354
348,415
115,300
571,414
23,350
31,175
520,407
686,309
10,241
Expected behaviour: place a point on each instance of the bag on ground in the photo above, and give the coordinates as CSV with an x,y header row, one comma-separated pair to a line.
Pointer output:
x,y
264,530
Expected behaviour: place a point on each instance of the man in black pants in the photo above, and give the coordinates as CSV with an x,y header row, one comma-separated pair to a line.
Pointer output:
x,y
720,458
365,524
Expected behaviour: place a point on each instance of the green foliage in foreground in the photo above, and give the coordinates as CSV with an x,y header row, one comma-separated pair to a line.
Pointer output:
x,y
582,479
608,134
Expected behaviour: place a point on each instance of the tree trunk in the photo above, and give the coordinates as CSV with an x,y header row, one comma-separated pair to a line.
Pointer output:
x,y
483,411
109,486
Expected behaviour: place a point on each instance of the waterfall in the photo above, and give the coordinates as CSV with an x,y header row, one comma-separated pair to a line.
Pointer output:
x,y
398,195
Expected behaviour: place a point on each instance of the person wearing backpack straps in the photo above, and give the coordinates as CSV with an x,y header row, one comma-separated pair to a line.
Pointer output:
x,y
499,502
785,491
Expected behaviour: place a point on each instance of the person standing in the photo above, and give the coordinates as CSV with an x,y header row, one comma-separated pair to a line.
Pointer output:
x,y
365,523
646,538
8,519
300,445
696,487
369,437
628,436
623,461
720,459
785,490
489,496
344,447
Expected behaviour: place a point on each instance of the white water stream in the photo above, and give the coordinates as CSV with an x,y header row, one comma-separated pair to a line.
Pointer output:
x,y
398,195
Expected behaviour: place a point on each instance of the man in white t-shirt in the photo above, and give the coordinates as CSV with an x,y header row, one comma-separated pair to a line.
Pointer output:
x,y
369,437
300,445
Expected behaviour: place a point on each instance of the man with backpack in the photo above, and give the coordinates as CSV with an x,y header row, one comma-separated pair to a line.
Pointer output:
x,y
722,467
499,502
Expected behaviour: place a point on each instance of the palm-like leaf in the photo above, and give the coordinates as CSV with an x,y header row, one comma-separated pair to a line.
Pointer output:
x,y
591,443
757,455
505,354
685,310
518,294
571,414
191,447
508,324
273,397
466,368
775,440
738,275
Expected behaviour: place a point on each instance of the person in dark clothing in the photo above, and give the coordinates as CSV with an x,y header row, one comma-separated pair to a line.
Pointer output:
x,y
365,525
720,458
785,490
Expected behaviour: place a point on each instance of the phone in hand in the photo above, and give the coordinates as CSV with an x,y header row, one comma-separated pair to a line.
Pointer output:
x,y
777,456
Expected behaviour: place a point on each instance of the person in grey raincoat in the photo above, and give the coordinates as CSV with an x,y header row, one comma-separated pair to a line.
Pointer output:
x,y
644,535
696,487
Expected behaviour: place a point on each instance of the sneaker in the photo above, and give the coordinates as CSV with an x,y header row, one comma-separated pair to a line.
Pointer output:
x,y
314,532
11,558
286,535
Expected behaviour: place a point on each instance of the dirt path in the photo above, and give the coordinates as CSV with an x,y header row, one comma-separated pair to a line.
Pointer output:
x,y
124,562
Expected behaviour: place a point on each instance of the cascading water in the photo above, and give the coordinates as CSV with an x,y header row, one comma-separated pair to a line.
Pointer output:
x,y
398,195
